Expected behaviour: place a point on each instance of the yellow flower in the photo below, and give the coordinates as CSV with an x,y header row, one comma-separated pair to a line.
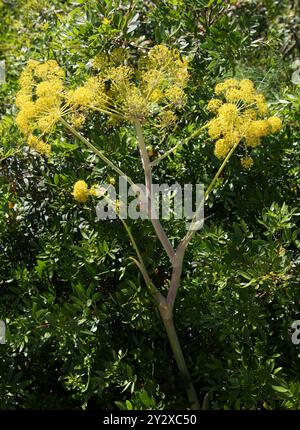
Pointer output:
x,y
81,96
175,95
214,105
29,109
39,98
106,21
26,79
31,64
22,98
181,75
160,55
46,104
32,141
229,111
221,148
232,137
215,128
261,104
275,123
219,88
241,118
223,86
48,114
152,84
94,191
48,70
52,86
167,119
249,114
120,81
247,162
156,95
81,191
231,82
38,145
233,95
164,75
77,120
23,121
135,105
247,85
43,148
155,87
252,142
258,128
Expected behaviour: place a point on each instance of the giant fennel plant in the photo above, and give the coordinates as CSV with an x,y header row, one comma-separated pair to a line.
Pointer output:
x,y
150,93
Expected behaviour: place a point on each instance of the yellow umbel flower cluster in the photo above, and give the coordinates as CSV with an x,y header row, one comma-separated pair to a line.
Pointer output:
x,y
164,76
91,94
39,101
240,115
247,162
39,145
131,93
153,89
81,191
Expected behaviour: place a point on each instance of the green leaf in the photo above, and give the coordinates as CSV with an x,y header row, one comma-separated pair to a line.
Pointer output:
x,y
129,405
280,389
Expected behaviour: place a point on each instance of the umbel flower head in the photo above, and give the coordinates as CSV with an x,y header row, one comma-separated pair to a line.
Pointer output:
x,y
39,145
152,89
39,100
126,92
240,116
81,191
247,162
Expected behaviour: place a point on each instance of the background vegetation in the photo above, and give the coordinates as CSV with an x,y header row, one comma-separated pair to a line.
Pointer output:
x,y
82,331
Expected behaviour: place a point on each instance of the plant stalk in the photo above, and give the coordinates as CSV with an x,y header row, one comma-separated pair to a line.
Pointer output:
x,y
161,234
165,306
168,321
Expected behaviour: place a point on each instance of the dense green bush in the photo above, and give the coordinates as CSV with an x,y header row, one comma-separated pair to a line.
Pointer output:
x,y
82,331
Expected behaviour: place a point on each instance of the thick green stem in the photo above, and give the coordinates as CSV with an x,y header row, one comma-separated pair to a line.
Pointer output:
x,y
176,276
167,318
161,234
166,305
